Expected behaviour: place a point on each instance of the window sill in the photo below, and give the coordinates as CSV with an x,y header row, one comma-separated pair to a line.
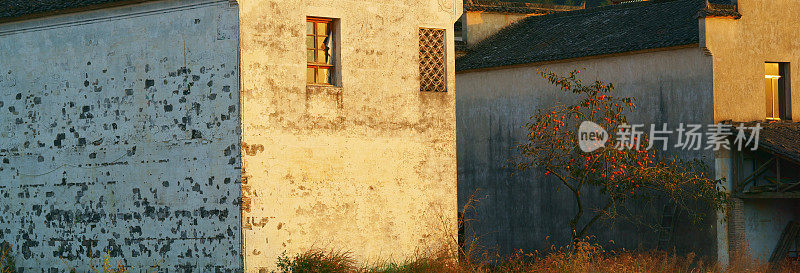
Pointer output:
x,y
316,89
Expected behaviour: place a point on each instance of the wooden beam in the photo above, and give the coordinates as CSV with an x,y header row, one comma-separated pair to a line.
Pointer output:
x,y
789,235
790,187
756,173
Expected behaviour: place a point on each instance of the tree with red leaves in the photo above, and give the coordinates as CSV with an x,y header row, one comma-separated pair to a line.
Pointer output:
x,y
621,170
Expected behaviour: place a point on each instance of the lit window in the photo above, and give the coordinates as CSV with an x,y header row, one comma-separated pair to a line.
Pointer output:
x,y
319,50
777,91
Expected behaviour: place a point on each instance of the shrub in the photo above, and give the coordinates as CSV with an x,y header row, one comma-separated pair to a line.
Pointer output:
x,y
6,259
317,261
583,256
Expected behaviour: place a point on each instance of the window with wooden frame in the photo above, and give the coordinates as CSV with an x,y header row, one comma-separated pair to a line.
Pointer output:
x,y
778,94
319,51
432,60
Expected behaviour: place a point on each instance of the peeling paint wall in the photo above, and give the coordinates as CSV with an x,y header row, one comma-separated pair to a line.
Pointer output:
x,y
120,136
519,210
368,166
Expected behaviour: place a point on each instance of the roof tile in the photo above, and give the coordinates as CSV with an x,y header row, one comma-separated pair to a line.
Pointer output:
x,y
581,33
19,8
506,6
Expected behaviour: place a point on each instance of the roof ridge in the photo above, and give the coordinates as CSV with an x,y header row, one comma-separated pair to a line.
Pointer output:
x,y
619,28
579,12
522,4
620,6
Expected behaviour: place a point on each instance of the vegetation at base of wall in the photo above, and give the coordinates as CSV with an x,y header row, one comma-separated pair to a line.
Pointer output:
x,y
583,256
105,267
7,264
6,259
314,261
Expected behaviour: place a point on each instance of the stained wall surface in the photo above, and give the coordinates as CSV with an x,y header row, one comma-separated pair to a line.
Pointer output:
x,y
523,210
368,166
480,25
765,221
119,136
766,32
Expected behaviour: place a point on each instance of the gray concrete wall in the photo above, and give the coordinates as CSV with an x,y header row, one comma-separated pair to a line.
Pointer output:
x,y
120,135
526,212
764,222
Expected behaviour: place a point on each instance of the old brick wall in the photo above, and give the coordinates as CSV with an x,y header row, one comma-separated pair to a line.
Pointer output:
x,y
119,135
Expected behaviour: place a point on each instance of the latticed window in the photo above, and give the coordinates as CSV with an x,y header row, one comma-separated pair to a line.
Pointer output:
x,y
319,50
432,60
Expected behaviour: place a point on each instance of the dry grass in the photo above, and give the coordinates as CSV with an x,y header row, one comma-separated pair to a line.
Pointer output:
x,y
6,259
317,261
584,257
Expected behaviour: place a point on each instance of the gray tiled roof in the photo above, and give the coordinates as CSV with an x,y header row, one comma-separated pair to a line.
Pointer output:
x,y
19,8
779,138
590,32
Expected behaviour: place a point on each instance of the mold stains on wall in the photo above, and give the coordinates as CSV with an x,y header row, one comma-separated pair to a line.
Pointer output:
x,y
117,140
354,166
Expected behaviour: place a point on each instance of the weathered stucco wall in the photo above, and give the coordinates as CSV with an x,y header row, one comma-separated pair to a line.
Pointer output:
x,y
765,220
524,212
368,167
480,25
120,136
767,32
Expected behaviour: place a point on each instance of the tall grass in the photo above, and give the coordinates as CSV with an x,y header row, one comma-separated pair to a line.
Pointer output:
x,y
582,257
317,261
6,259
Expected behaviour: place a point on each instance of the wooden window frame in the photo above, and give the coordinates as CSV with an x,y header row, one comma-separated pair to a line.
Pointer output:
x,y
329,51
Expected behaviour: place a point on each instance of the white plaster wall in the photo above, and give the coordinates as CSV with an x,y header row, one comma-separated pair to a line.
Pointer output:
x,y
119,135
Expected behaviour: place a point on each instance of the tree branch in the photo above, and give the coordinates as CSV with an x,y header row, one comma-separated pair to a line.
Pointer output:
x,y
596,217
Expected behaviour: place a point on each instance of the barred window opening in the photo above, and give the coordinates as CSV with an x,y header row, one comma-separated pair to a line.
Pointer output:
x,y
432,60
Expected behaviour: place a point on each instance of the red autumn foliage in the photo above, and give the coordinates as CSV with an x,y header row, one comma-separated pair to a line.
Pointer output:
x,y
619,174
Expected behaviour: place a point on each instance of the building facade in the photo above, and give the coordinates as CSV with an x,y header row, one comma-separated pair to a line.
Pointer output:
x,y
483,18
689,62
121,137
361,160
219,135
